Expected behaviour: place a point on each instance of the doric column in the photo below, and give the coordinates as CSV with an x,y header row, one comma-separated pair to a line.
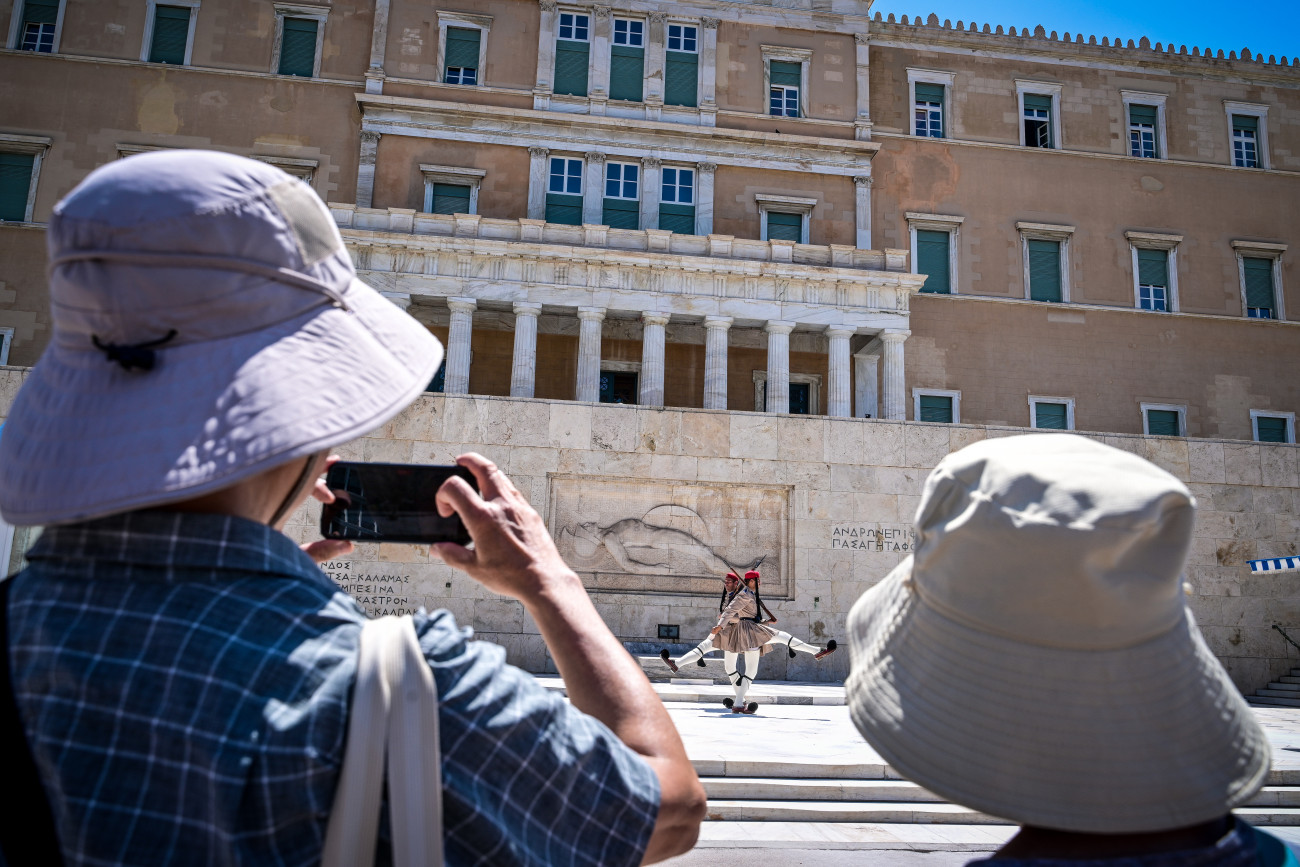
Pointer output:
x,y
593,189
862,119
838,401
655,48
538,177
895,382
588,386
704,198
401,299
862,209
598,58
651,189
709,71
778,366
378,48
546,33
523,372
366,168
716,329
865,372
456,380
652,358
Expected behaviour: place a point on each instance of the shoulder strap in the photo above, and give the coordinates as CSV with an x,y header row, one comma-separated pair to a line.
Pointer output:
x,y
27,833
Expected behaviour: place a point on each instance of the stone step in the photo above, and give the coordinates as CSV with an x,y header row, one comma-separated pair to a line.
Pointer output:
x,y
1290,678
764,692
824,836
1283,685
922,813
1278,693
1270,816
1266,701
788,789
1276,796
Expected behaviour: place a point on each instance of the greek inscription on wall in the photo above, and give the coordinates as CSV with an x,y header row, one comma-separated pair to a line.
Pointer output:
x,y
881,538
380,593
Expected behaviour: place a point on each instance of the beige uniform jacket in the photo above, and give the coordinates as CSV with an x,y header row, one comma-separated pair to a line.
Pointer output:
x,y
739,631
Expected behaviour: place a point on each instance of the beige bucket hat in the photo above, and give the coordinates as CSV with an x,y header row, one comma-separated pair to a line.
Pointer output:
x,y
1035,657
207,325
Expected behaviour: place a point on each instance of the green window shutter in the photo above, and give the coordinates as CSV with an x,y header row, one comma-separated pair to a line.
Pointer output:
x,y
677,218
40,11
1271,429
932,260
564,209
1050,416
784,227
622,214
786,73
1259,282
681,78
15,181
1044,270
1153,267
298,50
171,31
936,407
1142,114
571,67
450,199
626,72
1163,423
1038,101
929,92
1245,122
462,48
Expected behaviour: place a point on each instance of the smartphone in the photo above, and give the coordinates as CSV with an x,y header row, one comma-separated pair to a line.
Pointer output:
x,y
390,503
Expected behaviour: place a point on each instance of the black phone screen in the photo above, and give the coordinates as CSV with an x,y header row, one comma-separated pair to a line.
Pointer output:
x,y
390,503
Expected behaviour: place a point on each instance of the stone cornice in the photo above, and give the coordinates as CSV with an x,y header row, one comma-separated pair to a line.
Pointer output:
x,y
577,134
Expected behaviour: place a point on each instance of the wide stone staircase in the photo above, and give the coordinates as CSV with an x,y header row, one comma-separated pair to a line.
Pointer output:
x,y
1283,692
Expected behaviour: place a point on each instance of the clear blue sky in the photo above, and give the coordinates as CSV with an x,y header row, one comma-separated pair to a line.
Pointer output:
x,y
1265,27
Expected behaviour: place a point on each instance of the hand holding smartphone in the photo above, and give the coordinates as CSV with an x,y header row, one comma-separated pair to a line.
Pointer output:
x,y
390,503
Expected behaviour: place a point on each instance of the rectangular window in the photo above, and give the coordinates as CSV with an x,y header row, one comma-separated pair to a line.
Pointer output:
x,y
298,47
6,340
463,47
933,260
786,77
564,193
15,185
1153,279
929,110
171,35
677,201
450,199
572,52
935,407
1049,415
619,386
800,398
39,20
1259,287
784,227
622,209
1044,270
1038,121
1142,120
1245,141
1273,427
1163,423
627,60
681,66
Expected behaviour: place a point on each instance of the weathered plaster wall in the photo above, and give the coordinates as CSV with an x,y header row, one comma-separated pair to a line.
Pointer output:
x,y
399,183
511,46
24,293
735,210
832,81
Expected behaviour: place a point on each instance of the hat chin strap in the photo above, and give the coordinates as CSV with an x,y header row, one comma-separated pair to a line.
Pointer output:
x,y
296,492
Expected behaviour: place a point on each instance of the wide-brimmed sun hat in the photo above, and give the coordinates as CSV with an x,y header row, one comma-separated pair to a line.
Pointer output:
x,y
207,325
1035,657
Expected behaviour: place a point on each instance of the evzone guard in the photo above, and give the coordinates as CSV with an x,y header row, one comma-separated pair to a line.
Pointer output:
x,y
741,629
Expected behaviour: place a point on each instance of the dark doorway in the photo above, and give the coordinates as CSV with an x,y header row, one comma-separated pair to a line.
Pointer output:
x,y
618,386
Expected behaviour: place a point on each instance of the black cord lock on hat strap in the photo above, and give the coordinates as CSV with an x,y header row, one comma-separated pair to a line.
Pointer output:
x,y
133,355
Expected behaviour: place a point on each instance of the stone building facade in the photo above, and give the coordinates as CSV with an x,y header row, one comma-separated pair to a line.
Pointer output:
x,y
710,209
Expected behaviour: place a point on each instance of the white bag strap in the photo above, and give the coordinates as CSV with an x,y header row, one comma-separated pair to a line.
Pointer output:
x,y
394,709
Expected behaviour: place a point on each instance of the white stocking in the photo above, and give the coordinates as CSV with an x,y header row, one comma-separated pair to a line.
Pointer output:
x,y
785,639
696,652
741,682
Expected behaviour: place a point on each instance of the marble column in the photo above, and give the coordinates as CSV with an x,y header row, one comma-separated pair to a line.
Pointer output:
x,y
704,198
839,399
456,380
652,358
546,32
539,175
778,366
895,382
401,299
862,210
593,190
523,372
655,58
708,73
588,385
598,58
378,48
865,373
862,119
716,329
366,168
651,189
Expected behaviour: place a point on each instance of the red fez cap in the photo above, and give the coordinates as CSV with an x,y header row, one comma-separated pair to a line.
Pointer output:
x,y
752,573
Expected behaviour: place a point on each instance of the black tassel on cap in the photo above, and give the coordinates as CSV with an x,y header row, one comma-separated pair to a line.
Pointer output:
x,y
134,355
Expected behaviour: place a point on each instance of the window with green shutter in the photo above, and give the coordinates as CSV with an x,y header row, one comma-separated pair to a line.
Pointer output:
x,y
1163,423
936,407
622,206
461,62
786,77
929,110
15,184
298,47
1153,279
1271,429
784,227
1245,141
627,60
1044,270
571,68
1142,131
564,209
1051,416
677,218
621,214
450,199
39,20
1038,121
1260,299
677,200
681,78
171,34
932,260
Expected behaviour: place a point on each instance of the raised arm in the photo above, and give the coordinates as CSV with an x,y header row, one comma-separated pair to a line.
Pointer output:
x,y
515,556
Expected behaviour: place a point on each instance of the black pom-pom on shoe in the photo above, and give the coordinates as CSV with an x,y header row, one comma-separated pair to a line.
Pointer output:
x,y
751,707
700,663
791,649
728,702
831,645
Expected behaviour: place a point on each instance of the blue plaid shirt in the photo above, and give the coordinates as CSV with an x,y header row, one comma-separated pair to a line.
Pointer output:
x,y
184,684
